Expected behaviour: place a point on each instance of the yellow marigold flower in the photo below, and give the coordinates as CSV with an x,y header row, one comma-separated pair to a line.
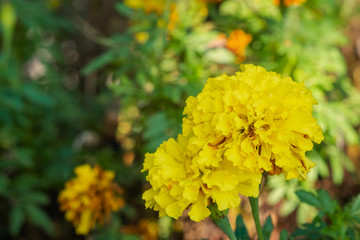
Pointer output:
x,y
89,198
237,128
184,178
237,42
289,2
257,120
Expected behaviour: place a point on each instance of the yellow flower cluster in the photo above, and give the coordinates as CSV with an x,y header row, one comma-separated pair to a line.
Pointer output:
x,y
90,197
238,127
158,7
148,6
289,2
237,42
183,178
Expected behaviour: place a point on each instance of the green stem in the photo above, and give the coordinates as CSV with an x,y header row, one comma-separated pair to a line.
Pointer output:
x,y
225,226
283,9
221,220
254,202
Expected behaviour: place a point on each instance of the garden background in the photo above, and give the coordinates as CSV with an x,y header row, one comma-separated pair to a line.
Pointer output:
x,y
104,82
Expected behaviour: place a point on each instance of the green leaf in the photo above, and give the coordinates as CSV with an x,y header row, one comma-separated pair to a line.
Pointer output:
x,y
37,198
321,163
4,182
37,97
308,231
267,228
220,55
308,198
100,61
16,220
25,182
11,101
39,218
24,157
283,235
155,132
173,93
123,9
355,207
325,200
240,230
335,164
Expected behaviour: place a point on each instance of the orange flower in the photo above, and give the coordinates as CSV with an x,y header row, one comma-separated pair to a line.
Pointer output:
x,y
237,42
214,1
289,2
173,18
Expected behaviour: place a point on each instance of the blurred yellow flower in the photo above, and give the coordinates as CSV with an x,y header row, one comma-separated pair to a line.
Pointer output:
x,y
156,6
89,198
289,2
141,37
257,120
237,42
54,4
148,6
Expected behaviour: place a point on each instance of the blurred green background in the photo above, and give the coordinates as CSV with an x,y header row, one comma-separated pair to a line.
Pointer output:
x,y
104,82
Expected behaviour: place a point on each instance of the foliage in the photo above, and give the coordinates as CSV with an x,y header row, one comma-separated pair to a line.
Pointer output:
x,y
145,67
333,221
286,40
30,120
40,120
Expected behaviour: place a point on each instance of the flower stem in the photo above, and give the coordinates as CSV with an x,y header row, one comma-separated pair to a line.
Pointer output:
x,y
254,202
221,220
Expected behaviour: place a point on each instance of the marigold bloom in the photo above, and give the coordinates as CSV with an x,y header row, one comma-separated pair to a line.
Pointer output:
x,y
89,198
238,127
237,42
184,178
289,2
256,120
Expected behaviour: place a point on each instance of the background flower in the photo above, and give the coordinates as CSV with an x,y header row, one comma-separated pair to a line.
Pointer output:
x,y
289,2
90,197
237,42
